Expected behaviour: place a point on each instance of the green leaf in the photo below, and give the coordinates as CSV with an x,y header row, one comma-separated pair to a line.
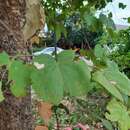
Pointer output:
x,y
103,18
118,113
119,79
60,77
110,24
99,51
101,79
122,6
107,124
19,73
90,19
4,58
112,65
1,93
111,32
113,80
58,32
128,19
107,21
92,22
110,15
59,28
66,56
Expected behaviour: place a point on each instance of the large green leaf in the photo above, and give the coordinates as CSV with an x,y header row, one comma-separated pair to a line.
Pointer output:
x,y
4,58
118,113
100,78
1,93
57,77
113,80
47,82
119,80
19,73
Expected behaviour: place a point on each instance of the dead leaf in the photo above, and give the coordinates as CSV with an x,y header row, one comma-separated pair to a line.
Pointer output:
x,y
45,111
35,39
34,14
41,128
38,65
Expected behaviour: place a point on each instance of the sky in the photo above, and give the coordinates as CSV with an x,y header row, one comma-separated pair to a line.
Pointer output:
x,y
119,14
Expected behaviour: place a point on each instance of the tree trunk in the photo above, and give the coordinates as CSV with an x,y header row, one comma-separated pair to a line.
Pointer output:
x,y
15,113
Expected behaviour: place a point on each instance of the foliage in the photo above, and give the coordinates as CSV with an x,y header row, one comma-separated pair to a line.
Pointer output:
x,y
77,23
79,33
59,11
118,112
118,48
53,77
79,19
49,77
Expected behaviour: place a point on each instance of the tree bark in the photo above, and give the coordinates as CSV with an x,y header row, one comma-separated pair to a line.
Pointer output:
x,y
15,113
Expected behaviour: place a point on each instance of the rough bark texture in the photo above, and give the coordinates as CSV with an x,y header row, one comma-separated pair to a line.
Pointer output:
x,y
15,114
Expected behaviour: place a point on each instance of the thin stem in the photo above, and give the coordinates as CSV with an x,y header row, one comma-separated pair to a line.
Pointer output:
x,y
55,44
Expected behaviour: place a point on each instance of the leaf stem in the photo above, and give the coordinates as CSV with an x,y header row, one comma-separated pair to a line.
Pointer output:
x,y
55,44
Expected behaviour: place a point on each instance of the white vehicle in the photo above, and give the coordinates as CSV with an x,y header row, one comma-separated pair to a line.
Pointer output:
x,y
48,50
